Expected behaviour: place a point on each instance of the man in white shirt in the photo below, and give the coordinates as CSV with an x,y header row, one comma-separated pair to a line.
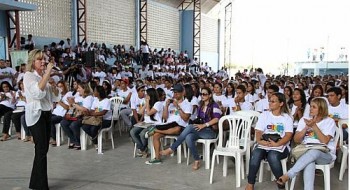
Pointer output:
x,y
6,73
337,110
100,74
143,72
263,104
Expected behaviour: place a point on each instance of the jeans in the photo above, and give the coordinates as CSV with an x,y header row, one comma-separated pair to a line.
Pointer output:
x,y
54,120
191,135
273,158
307,163
25,127
138,136
72,129
345,134
124,113
41,135
92,130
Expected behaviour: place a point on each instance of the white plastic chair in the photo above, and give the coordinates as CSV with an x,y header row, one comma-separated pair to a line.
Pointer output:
x,y
261,170
325,168
116,102
206,150
253,115
59,134
179,148
344,149
236,145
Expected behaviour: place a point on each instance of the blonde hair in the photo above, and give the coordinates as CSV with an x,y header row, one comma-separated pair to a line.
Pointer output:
x,y
87,89
35,54
322,106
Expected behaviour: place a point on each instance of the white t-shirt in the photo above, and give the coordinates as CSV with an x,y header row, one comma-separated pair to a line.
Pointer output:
x,y
271,124
20,103
220,98
104,104
169,93
159,106
251,98
59,110
174,115
194,102
341,111
124,94
8,101
100,75
85,102
306,113
327,127
262,105
244,106
137,103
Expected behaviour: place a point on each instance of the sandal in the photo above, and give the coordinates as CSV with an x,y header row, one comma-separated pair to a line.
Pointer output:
x,y
4,137
280,183
196,165
77,147
71,146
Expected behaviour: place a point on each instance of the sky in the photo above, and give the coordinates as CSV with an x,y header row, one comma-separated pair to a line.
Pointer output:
x,y
272,33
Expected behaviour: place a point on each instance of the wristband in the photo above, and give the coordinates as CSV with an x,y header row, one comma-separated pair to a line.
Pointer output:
x,y
206,124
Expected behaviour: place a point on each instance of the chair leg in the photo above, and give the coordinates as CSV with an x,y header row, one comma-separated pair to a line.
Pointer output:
x,y
327,178
261,171
247,160
83,139
111,131
292,183
23,133
224,167
284,169
99,143
238,170
188,156
58,134
212,169
207,155
179,154
135,149
343,164
185,149
242,167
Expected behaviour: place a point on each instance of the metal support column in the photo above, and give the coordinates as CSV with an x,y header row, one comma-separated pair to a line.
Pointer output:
x,y
143,21
81,21
227,38
13,32
196,29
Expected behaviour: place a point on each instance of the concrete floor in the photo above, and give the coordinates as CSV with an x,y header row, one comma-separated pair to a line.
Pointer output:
x,y
117,169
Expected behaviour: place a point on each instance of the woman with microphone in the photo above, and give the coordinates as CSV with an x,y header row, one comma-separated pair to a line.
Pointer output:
x,y
41,92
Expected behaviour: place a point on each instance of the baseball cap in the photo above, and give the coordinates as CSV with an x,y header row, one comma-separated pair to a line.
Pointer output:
x,y
178,88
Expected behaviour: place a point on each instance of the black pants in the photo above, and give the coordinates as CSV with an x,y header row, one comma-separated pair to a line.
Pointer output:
x,y
167,126
41,135
7,122
16,120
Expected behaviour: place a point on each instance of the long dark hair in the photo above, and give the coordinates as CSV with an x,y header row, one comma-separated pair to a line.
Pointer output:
x,y
303,98
101,92
188,92
233,90
196,93
108,87
8,84
153,95
290,101
161,94
211,99
318,86
253,87
282,98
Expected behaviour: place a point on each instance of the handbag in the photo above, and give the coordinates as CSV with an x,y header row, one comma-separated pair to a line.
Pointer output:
x,y
301,149
72,114
92,120
275,137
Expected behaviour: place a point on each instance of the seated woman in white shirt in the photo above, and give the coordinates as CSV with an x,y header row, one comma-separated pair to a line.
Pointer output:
x,y
100,108
153,109
318,129
299,107
7,105
108,88
79,105
275,121
60,110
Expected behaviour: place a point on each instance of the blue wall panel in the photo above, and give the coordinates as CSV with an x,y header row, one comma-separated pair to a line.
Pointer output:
x,y
187,32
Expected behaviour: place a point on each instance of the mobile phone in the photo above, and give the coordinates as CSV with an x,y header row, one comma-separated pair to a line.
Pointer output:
x,y
171,101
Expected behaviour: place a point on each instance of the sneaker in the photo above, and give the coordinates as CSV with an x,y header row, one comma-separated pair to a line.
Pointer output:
x,y
153,161
139,153
150,132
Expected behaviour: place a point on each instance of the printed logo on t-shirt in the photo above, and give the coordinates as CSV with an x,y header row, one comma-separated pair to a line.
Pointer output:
x,y
311,134
279,128
334,116
174,112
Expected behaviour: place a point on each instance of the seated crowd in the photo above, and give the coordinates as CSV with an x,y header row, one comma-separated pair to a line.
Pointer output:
x,y
189,104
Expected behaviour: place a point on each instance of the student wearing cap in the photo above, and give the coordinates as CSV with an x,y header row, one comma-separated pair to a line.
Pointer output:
x,y
177,113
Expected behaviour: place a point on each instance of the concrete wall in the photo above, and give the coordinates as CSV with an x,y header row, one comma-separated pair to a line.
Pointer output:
x,y
163,26
50,20
111,21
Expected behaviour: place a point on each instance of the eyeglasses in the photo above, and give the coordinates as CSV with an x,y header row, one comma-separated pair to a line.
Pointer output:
x,y
203,94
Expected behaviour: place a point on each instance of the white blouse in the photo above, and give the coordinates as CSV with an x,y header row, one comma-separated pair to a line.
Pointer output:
x,y
37,100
